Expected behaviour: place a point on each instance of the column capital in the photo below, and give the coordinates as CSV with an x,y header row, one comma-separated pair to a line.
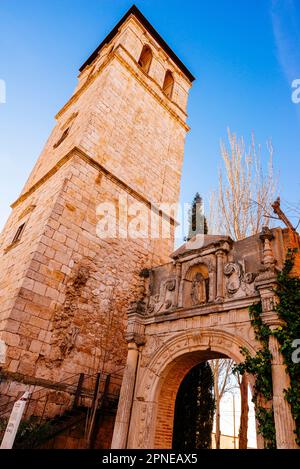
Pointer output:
x,y
271,319
266,281
222,248
137,339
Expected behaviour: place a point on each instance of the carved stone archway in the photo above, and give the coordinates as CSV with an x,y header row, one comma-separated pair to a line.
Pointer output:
x,y
171,329
153,406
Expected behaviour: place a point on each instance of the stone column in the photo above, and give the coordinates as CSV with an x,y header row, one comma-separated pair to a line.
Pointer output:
x,y
220,276
119,440
266,284
284,422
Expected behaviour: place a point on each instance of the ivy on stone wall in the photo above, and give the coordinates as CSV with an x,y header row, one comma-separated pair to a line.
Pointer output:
x,y
288,309
259,366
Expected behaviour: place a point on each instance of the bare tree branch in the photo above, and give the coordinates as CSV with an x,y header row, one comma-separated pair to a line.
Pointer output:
x,y
243,202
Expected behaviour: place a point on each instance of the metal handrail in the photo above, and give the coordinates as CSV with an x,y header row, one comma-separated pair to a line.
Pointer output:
x,y
41,388
70,388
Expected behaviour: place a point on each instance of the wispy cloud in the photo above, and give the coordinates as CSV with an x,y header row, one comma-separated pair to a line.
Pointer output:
x,y
286,26
285,16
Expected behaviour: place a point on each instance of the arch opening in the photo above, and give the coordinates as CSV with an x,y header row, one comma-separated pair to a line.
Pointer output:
x,y
168,84
179,392
145,58
194,410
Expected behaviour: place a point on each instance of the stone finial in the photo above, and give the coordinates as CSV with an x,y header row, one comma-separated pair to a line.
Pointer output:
x,y
268,257
266,233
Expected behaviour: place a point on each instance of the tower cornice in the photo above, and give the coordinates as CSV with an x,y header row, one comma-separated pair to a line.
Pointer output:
x,y
77,152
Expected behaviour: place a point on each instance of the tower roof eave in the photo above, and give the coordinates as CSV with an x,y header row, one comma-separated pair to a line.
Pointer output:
x,y
137,13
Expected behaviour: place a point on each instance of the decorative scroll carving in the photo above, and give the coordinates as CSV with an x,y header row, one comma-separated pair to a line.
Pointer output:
x,y
165,300
153,301
247,284
237,279
170,287
233,271
249,277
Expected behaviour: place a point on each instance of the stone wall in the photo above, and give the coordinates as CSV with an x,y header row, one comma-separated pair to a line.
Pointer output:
x,y
77,287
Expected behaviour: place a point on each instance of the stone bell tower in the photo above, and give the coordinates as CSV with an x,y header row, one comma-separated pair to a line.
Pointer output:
x,y
65,290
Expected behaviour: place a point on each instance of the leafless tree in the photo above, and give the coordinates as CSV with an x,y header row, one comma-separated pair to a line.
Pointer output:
x,y
222,371
226,381
243,431
245,191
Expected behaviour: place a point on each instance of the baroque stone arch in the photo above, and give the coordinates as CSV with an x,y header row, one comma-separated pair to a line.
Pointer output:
x,y
157,386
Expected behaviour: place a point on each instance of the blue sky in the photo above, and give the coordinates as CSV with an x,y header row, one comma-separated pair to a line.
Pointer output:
x,y
244,55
